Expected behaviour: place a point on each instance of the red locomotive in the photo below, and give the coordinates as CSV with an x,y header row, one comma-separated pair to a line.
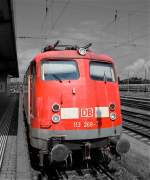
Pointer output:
x,y
71,101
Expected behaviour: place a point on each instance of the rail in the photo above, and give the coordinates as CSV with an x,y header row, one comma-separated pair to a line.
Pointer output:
x,y
137,122
135,87
136,102
136,98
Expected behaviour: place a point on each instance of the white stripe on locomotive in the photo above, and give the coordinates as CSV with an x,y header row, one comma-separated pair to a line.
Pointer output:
x,y
76,113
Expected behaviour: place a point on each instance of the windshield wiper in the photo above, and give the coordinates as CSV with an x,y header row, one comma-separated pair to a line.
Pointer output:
x,y
105,77
57,77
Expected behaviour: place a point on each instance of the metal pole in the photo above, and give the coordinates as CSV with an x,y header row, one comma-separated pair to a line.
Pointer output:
x,y
128,82
145,79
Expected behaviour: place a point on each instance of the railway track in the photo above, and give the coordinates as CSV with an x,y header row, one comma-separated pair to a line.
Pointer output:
x,y
138,123
141,103
95,169
137,129
95,172
137,98
138,118
5,123
98,172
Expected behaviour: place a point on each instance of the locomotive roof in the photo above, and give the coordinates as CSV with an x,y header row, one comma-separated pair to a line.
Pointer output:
x,y
72,54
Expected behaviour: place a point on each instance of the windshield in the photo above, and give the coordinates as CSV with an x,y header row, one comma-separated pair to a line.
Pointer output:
x,y
59,70
102,71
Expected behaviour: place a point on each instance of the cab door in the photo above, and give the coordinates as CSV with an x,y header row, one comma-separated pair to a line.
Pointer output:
x,y
31,91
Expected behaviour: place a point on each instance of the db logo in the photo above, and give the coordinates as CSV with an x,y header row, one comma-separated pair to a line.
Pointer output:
x,y
87,112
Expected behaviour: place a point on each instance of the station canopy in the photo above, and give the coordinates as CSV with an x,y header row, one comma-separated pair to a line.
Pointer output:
x,y
8,52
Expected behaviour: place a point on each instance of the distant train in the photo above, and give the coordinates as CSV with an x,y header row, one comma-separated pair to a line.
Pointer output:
x,y
71,101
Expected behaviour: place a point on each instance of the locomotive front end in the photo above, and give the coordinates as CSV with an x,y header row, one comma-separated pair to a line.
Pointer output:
x,y
74,104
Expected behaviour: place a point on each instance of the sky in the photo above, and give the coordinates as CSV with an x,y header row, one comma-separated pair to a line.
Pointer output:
x,y
119,28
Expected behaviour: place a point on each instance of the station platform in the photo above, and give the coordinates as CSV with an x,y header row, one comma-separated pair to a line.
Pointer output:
x,y
15,163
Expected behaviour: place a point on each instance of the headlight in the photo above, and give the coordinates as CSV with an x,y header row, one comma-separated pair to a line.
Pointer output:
x,y
82,51
112,116
112,107
55,107
55,118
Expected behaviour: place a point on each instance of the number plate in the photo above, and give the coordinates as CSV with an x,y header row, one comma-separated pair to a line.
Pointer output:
x,y
85,124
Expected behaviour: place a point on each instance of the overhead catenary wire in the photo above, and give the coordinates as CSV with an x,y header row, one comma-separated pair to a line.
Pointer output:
x,y
130,41
30,37
93,4
44,22
45,16
118,18
116,24
126,43
61,13
49,13
42,34
45,30
53,21
53,24
52,12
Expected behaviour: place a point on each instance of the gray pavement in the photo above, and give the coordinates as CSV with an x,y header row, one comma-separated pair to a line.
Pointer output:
x,y
137,160
23,171
16,163
8,171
